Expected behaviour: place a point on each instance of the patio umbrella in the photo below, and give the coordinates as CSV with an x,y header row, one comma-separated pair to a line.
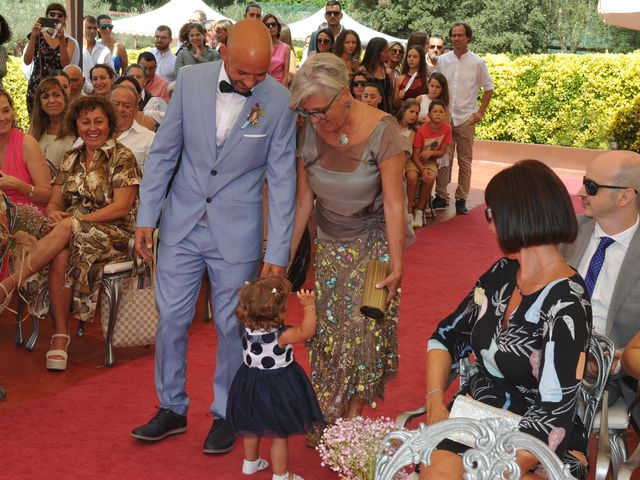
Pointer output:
x,y
621,13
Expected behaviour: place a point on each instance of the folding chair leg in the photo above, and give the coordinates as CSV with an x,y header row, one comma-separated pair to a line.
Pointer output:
x,y
35,322
114,292
19,338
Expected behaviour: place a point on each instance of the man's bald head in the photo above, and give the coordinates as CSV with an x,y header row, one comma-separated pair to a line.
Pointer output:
x,y
247,54
624,165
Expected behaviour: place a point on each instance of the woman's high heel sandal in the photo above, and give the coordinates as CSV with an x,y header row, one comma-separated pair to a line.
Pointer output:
x,y
58,363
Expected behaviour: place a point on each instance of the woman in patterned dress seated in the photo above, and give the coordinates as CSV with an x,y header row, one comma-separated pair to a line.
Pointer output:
x,y
351,159
92,214
527,321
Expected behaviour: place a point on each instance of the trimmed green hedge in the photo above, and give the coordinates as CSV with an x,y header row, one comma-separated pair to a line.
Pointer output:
x,y
560,99
571,100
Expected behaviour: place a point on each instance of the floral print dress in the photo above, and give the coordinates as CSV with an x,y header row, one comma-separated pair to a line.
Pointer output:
x,y
93,244
533,366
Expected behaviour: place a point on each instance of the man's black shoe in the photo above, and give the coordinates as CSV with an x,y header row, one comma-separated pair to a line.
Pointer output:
x,y
438,203
164,423
461,207
220,438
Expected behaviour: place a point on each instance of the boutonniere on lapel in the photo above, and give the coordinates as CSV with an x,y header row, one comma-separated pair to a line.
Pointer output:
x,y
253,118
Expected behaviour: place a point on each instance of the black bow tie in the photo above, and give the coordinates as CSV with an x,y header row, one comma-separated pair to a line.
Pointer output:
x,y
226,87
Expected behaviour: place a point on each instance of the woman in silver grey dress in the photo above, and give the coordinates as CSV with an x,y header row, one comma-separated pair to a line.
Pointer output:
x,y
350,159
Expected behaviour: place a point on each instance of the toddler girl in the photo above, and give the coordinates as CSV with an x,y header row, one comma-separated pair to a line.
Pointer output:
x,y
270,394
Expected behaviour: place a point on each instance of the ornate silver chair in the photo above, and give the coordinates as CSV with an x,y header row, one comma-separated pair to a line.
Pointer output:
x,y
589,395
493,456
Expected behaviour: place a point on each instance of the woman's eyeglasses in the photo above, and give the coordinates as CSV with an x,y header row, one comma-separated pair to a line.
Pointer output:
x,y
104,26
271,25
397,51
488,214
592,187
324,41
55,14
358,83
320,114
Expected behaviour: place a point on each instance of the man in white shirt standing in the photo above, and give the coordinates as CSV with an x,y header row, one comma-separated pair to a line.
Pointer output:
x,y
466,74
165,59
607,255
93,52
130,133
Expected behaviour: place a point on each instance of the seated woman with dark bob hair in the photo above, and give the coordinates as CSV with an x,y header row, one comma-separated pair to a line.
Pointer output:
x,y
527,321
92,214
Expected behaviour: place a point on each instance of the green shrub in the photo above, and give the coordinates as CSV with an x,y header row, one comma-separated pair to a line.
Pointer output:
x,y
562,99
625,127
16,85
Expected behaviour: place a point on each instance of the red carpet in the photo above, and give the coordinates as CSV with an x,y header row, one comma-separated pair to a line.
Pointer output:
x,y
83,432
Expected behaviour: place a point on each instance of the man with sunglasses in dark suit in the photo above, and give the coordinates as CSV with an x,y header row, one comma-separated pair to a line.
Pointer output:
x,y
333,15
607,255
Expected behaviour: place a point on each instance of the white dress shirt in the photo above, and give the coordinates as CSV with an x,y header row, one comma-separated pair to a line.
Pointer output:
x,y
100,54
465,76
228,107
138,139
603,289
155,108
166,62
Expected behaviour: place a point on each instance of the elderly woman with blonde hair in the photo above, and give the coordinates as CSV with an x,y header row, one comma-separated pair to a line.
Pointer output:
x,y
347,146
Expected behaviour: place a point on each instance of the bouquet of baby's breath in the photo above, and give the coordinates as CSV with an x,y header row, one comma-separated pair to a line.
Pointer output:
x,y
350,447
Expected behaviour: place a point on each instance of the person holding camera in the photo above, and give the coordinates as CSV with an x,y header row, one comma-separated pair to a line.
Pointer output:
x,y
48,48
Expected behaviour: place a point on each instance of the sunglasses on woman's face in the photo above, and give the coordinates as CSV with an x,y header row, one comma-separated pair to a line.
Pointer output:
x,y
271,25
592,187
358,83
104,26
397,51
324,41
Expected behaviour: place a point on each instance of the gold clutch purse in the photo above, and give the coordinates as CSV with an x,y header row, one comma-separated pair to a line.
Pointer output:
x,y
374,300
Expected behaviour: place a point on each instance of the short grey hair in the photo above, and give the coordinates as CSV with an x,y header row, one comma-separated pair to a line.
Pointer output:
x,y
323,74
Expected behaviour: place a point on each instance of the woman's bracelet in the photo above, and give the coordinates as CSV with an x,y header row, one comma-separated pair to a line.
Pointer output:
x,y
435,390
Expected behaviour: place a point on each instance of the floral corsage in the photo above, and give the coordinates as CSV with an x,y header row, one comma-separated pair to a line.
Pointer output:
x,y
253,118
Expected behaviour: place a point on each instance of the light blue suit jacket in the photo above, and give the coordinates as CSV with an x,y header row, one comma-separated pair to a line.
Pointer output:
x,y
227,182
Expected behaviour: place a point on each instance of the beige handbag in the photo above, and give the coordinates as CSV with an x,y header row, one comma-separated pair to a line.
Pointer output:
x,y
137,317
374,300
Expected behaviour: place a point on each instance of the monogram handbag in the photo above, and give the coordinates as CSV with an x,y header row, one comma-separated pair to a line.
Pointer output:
x,y
137,316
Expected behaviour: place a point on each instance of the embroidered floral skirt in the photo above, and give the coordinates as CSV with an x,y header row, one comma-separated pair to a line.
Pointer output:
x,y
351,355
92,246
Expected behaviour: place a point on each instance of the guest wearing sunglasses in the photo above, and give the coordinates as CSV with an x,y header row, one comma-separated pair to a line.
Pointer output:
x,y
396,54
324,41
281,58
434,50
118,52
347,146
93,52
48,48
609,237
332,15
360,79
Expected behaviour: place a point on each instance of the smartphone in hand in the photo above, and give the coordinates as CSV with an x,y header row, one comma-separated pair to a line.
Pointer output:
x,y
47,22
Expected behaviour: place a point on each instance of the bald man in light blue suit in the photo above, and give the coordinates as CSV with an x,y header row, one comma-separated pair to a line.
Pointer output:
x,y
213,217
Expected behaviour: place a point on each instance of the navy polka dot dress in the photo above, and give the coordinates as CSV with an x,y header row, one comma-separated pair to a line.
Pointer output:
x,y
271,394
